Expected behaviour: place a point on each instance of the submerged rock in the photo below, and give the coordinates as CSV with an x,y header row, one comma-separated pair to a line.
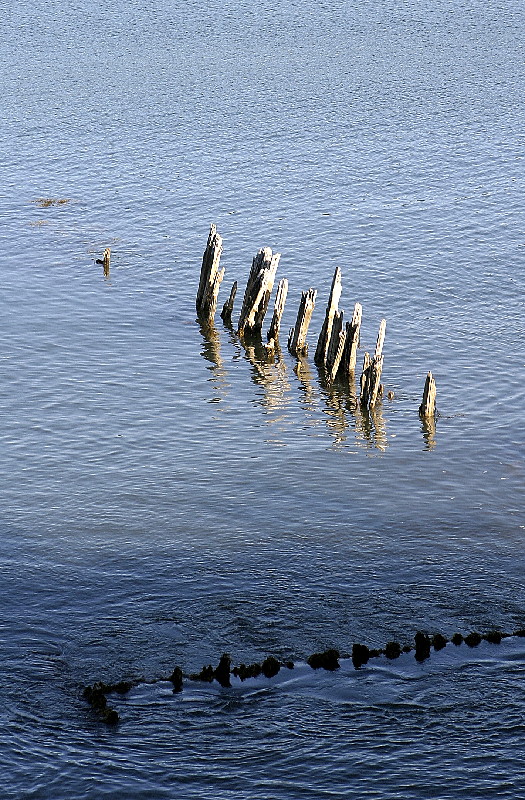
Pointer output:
x,y
110,716
422,642
328,660
494,637
206,674
270,667
473,639
439,641
360,655
222,672
176,679
244,671
392,650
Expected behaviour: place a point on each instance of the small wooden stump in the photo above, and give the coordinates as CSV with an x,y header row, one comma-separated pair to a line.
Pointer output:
x,y
428,405
280,300
297,338
227,309
323,343
353,331
211,278
258,291
105,261
372,369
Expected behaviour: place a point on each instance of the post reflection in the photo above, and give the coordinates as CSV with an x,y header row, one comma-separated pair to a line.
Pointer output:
x,y
343,408
211,352
428,429
268,370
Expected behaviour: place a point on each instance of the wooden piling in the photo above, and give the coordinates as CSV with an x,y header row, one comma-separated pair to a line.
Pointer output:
x,y
372,369
280,300
428,405
297,338
258,291
353,331
226,313
336,346
106,259
211,277
321,351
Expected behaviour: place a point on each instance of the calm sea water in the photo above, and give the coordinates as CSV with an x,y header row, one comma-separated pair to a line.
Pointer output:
x,y
168,495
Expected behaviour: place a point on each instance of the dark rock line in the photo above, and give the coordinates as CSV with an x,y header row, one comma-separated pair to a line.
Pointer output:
x,y
96,695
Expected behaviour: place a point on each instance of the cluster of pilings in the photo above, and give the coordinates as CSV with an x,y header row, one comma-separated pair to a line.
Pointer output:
x,y
360,654
338,342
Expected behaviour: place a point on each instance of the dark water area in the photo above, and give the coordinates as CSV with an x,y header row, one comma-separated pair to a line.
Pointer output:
x,y
169,494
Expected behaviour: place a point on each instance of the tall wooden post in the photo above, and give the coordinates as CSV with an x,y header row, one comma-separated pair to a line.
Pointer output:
x,y
258,291
280,300
428,405
211,277
353,331
321,351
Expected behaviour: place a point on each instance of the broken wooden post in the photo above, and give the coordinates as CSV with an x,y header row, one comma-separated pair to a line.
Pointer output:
x,y
280,300
297,338
335,346
323,342
226,313
372,368
105,261
428,406
211,277
258,291
353,331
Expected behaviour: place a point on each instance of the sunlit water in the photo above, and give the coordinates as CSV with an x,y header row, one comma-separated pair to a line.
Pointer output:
x,y
169,494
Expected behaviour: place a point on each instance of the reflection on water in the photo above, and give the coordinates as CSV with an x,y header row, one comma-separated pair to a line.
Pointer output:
x,y
212,352
269,372
335,404
428,428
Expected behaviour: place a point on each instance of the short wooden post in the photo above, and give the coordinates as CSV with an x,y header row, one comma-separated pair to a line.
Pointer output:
x,y
297,338
353,331
211,277
258,291
321,351
428,406
226,313
280,300
372,369
335,346
106,259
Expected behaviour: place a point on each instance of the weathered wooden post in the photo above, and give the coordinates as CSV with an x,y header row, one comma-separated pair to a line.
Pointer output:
x,y
323,342
211,277
105,261
258,291
353,331
280,300
297,338
336,346
372,368
226,313
428,405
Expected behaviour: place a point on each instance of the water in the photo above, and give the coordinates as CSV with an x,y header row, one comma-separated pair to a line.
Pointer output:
x,y
168,495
